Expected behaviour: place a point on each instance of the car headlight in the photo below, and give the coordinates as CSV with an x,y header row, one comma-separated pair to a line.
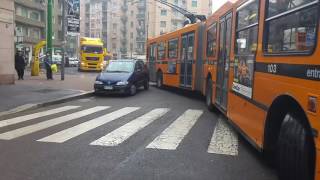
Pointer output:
x,y
98,82
82,63
122,83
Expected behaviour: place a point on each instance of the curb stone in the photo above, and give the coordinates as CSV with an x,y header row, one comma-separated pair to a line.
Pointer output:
x,y
46,103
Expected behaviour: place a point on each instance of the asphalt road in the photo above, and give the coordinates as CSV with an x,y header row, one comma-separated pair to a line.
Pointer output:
x,y
157,134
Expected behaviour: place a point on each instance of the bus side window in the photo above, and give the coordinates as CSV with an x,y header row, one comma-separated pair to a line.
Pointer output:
x,y
291,32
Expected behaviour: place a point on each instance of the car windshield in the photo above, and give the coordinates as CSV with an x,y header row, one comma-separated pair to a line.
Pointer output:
x,y
92,49
120,66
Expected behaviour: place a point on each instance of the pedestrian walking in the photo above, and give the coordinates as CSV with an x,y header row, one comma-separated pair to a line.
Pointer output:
x,y
20,65
47,63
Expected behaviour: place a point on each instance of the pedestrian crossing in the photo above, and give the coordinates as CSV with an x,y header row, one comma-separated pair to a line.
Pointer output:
x,y
223,141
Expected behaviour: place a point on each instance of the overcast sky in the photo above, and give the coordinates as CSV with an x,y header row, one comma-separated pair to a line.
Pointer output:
x,y
217,3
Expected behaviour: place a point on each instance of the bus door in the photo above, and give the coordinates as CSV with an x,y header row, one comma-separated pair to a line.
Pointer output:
x,y
223,61
187,60
152,62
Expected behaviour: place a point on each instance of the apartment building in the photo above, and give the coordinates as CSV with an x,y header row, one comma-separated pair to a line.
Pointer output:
x,y
30,25
163,19
7,44
120,23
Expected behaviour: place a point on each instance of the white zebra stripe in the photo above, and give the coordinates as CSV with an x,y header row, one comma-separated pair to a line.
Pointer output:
x,y
28,117
46,124
171,137
224,140
72,132
121,134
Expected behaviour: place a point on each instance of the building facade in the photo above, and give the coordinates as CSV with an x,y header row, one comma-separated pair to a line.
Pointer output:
x,y
163,19
30,25
7,42
120,23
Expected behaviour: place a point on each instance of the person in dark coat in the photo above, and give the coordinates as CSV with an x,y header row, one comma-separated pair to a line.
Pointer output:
x,y
47,63
20,65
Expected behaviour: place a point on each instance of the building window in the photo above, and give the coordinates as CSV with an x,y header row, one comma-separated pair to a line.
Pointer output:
x,y
194,3
35,15
163,12
131,24
60,35
163,24
131,35
23,12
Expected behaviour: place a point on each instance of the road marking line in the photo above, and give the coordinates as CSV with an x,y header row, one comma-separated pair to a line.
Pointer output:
x,y
124,132
77,130
224,140
46,124
28,117
171,137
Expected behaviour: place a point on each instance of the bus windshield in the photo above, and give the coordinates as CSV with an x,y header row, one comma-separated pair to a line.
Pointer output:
x,y
92,49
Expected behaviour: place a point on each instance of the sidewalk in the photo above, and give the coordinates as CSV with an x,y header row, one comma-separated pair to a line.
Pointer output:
x,y
36,90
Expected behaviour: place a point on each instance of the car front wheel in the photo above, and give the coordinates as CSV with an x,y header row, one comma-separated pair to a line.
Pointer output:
x,y
132,90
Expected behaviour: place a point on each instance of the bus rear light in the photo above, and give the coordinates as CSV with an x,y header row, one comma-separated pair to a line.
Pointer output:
x,y
312,104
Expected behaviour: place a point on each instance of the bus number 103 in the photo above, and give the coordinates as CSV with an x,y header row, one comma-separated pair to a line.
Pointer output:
x,y
272,68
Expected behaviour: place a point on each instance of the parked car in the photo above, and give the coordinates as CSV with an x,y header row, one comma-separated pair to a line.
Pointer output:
x,y
73,61
122,76
56,59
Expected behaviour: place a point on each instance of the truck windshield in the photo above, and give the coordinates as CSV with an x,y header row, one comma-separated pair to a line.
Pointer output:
x,y
92,49
120,66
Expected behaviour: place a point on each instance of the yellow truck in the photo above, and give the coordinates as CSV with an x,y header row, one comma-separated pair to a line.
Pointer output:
x,y
92,54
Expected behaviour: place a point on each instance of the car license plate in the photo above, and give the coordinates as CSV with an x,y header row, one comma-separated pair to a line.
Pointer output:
x,y
108,87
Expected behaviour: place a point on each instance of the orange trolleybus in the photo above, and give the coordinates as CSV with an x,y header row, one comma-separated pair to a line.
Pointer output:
x,y
258,61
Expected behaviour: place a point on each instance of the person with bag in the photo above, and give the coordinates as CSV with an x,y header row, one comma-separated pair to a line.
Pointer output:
x,y
20,65
47,63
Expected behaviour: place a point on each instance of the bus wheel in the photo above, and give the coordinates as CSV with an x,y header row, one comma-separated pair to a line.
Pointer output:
x,y
159,80
295,151
209,94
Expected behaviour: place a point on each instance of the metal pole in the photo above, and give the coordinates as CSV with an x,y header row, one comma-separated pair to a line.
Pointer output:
x,y
64,38
49,28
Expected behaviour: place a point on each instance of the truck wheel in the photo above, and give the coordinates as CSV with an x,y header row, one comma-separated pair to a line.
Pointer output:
x,y
295,151
209,95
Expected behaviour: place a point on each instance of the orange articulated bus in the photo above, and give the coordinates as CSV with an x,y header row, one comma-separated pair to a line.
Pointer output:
x,y
258,62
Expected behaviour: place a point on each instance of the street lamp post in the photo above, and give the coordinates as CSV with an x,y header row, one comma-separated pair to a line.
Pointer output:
x,y
49,28
63,38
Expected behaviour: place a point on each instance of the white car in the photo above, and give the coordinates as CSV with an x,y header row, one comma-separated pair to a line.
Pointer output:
x,y
73,61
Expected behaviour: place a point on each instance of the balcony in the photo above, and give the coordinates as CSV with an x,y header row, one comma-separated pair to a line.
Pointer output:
x,y
26,39
30,4
124,19
140,29
141,16
27,21
141,39
141,5
124,8
123,31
